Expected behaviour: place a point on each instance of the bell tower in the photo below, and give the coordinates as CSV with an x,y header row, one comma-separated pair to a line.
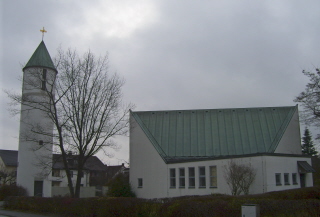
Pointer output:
x,y
36,125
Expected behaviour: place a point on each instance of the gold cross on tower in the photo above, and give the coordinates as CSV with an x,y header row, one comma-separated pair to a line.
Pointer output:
x,y
43,31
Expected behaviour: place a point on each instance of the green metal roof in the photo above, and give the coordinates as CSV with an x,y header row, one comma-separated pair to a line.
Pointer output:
x,y
41,58
215,132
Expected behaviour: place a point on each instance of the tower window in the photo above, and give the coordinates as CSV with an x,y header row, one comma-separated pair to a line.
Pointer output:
x,y
140,182
44,79
41,142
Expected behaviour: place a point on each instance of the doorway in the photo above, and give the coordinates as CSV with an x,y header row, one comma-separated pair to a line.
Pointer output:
x,y
38,188
302,180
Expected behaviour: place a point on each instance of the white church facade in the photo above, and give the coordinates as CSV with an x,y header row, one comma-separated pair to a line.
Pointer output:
x,y
36,127
179,153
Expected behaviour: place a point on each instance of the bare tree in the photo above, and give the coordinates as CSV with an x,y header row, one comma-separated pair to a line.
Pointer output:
x,y
239,177
310,99
84,102
7,177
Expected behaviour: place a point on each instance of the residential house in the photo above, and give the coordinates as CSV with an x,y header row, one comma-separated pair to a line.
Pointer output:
x,y
59,177
8,166
186,152
94,170
113,171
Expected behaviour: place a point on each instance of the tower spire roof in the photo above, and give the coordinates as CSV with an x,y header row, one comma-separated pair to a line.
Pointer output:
x,y
41,58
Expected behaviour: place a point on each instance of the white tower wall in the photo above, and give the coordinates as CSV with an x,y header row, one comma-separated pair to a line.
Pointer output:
x,y
36,129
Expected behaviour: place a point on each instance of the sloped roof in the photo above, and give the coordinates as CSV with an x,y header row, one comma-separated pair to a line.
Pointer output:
x,y
93,162
41,58
9,157
215,132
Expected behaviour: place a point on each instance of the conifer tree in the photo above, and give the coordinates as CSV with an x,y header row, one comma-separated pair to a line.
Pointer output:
x,y
307,144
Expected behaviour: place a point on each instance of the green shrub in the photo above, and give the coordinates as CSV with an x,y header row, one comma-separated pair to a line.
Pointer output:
x,y
11,190
120,187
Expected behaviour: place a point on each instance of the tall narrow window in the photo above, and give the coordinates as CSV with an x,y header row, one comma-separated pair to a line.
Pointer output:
x,y
172,178
44,79
192,178
278,178
294,179
286,179
140,182
213,177
202,177
182,178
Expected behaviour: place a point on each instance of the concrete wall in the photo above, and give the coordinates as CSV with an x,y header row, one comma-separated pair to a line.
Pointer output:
x,y
290,142
145,163
284,165
33,158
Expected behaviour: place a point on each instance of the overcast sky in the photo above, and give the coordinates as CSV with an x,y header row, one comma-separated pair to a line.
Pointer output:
x,y
173,54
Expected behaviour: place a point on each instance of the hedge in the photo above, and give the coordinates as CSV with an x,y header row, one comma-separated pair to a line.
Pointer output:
x,y
298,202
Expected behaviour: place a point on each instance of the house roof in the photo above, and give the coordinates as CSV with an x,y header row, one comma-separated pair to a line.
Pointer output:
x,y
93,162
186,134
41,58
9,157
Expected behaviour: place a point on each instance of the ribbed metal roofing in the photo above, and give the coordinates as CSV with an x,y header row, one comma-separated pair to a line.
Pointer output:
x,y
215,132
306,167
41,58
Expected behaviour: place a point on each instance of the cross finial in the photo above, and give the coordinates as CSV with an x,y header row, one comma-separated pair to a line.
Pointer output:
x,y
43,31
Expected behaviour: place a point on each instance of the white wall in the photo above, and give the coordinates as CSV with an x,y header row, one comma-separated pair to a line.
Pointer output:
x,y
146,163
222,187
62,178
265,166
32,157
284,165
290,142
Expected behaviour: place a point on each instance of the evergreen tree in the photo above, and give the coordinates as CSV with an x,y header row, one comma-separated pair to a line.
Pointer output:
x,y
307,144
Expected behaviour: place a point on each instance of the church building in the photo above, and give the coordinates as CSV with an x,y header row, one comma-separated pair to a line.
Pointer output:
x,y
186,152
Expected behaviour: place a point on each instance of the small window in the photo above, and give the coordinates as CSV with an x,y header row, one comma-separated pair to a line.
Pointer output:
x,y
213,177
44,79
294,179
140,182
182,183
55,173
278,179
286,179
172,178
192,178
41,142
202,177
